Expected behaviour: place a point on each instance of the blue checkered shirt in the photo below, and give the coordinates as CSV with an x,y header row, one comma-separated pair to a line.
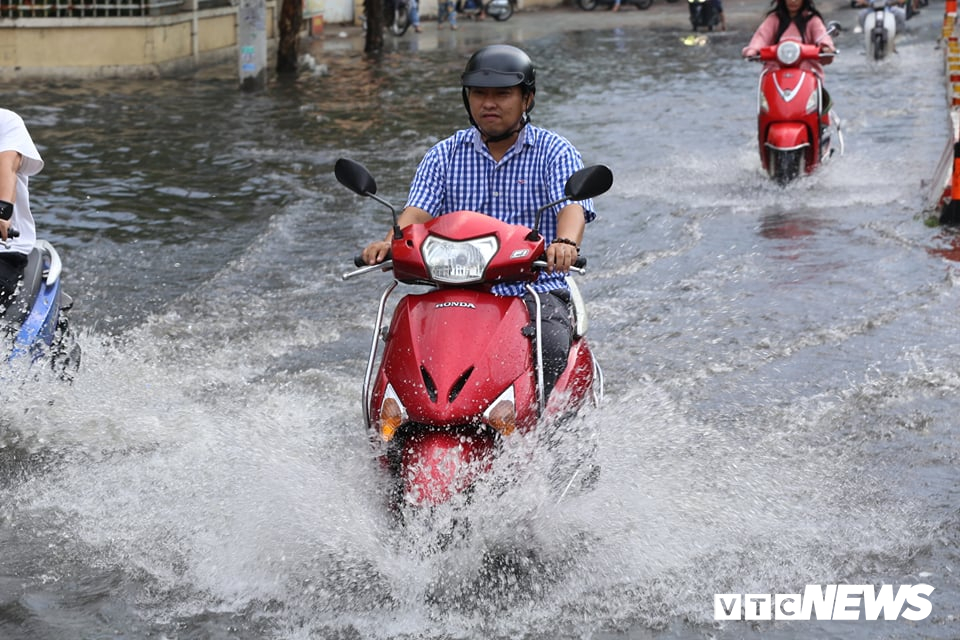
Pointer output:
x,y
459,173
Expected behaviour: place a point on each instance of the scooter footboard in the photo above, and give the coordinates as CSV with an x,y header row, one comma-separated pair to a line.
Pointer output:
x,y
438,464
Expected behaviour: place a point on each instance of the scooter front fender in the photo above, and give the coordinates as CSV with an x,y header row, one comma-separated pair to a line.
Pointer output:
x,y
438,464
787,136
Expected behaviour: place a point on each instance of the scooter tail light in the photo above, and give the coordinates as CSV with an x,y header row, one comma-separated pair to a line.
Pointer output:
x,y
392,415
502,413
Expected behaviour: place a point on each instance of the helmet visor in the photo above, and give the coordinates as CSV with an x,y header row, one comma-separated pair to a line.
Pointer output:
x,y
491,78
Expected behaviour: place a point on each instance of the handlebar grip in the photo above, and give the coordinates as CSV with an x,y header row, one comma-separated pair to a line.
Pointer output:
x,y
358,259
578,265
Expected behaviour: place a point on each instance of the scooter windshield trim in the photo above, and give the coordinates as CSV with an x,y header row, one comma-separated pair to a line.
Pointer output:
x,y
458,262
790,94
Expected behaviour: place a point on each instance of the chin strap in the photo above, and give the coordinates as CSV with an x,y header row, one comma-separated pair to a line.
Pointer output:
x,y
503,136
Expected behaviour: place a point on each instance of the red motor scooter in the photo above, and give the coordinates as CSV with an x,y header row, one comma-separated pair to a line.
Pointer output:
x,y
795,127
461,367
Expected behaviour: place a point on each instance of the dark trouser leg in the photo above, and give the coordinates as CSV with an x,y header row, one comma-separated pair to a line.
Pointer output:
x,y
557,333
11,269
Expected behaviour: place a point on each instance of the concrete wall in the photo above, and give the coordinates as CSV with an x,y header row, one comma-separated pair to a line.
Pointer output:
x,y
149,46
349,11
120,47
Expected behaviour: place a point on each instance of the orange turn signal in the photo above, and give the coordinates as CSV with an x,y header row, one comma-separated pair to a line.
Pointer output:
x,y
391,417
503,417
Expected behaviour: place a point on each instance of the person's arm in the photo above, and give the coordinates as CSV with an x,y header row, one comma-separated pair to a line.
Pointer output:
x,y
818,33
376,252
9,165
762,37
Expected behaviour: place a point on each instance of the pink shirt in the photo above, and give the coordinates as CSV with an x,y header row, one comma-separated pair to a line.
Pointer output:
x,y
816,33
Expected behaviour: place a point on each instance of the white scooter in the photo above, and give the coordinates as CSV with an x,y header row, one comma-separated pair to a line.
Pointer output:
x,y
880,28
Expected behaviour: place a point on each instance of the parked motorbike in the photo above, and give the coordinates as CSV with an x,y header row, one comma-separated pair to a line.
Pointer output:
x,y
499,10
461,368
795,125
590,5
703,13
35,321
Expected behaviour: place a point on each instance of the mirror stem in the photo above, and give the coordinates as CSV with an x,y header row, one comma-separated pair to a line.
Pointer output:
x,y
397,233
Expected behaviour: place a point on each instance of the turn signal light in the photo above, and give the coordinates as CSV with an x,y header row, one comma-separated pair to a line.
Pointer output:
x,y
503,417
391,417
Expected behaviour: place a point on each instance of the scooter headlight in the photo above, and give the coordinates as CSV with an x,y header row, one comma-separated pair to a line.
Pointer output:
x,y
788,52
458,262
502,413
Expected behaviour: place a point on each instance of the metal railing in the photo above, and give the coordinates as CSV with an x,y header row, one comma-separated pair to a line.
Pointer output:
x,y
98,8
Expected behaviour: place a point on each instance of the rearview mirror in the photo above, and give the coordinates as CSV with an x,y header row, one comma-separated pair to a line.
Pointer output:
x,y
589,182
354,176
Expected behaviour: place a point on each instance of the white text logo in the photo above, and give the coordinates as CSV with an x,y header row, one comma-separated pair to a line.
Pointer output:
x,y
828,602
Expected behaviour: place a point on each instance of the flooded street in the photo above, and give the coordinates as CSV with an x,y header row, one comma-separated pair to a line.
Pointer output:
x,y
781,364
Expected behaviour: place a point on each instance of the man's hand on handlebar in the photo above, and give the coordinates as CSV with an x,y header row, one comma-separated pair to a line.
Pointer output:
x,y
376,252
561,256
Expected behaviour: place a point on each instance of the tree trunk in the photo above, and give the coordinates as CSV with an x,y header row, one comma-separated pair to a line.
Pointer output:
x,y
288,47
375,19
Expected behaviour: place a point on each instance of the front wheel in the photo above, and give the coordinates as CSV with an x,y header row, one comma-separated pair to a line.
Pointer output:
x,y
786,166
643,5
587,5
401,20
879,45
65,350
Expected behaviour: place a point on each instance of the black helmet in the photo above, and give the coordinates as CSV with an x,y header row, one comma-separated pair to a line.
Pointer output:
x,y
499,65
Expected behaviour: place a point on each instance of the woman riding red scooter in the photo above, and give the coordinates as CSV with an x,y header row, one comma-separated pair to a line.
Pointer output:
x,y
793,105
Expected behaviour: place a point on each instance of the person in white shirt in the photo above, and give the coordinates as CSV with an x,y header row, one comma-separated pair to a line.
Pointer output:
x,y
19,159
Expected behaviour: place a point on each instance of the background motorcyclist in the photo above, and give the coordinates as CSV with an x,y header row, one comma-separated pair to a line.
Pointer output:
x,y
507,168
19,159
895,7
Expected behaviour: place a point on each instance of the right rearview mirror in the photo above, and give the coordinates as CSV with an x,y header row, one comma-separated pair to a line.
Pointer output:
x,y
589,182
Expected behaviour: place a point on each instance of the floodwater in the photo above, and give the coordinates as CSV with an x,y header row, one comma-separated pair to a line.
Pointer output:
x,y
781,363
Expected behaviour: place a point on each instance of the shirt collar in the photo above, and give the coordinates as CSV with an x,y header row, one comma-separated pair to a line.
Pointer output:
x,y
526,138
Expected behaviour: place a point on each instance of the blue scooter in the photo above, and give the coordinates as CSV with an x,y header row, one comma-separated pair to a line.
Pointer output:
x,y
35,320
